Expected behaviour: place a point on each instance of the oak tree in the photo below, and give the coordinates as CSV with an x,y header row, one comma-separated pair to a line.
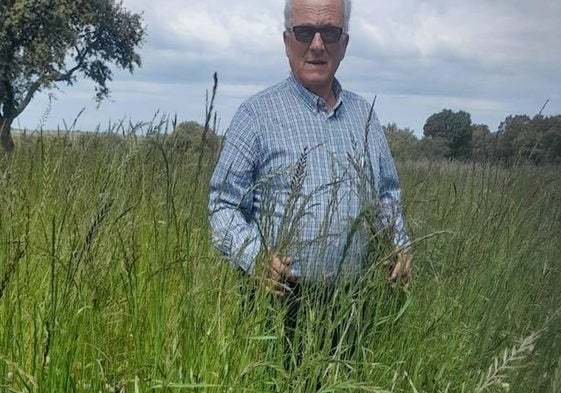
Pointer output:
x,y
44,43
453,127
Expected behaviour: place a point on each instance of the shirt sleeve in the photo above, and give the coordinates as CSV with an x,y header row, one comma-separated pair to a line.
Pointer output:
x,y
231,202
389,191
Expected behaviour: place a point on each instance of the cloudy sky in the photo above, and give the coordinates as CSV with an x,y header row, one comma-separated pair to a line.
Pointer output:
x,y
489,58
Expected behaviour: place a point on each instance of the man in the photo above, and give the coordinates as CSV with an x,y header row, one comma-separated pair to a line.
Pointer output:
x,y
305,167
305,179
304,164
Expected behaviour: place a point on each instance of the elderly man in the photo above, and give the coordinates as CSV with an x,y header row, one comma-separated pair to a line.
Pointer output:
x,y
305,177
303,163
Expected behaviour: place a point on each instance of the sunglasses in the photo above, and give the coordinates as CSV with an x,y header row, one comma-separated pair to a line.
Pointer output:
x,y
329,34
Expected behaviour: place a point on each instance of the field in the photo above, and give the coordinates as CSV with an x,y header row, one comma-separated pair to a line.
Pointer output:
x,y
109,283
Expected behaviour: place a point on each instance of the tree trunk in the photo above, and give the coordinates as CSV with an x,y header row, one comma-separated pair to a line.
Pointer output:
x,y
5,134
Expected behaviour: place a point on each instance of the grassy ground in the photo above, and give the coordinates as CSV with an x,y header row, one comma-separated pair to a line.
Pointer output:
x,y
108,283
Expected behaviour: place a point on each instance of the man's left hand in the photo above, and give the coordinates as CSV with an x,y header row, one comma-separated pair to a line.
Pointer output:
x,y
401,272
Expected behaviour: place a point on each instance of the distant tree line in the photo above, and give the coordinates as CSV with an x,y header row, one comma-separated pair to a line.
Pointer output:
x,y
452,136
194,138
447,135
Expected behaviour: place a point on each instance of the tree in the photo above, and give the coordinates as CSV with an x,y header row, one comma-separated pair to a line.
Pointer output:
x,y
515,139
537,140
548,130
454,128
434,148
482,143
43,43
193,137
403,142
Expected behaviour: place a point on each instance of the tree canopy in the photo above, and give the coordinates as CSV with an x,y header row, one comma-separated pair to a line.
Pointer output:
x,y
43,43
536,139
403,142
519,138
454,128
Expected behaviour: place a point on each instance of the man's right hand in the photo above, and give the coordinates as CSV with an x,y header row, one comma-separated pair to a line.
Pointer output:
x,y
279,279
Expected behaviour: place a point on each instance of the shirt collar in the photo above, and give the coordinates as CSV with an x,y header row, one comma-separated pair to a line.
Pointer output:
x,y
313,101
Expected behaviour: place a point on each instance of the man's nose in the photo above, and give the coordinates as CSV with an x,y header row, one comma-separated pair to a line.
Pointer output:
x,y
317,43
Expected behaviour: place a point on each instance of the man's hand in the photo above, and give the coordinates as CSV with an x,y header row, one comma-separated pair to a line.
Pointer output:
x,y
401,271
279,279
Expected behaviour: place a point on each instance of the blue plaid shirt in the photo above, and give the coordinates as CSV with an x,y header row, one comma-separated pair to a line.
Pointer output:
x,y
300,181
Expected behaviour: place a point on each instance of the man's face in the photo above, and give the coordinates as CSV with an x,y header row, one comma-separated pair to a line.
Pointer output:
x,y
314,64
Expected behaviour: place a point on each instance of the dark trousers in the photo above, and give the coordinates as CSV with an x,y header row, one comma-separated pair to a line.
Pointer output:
x,y
325,308
337,316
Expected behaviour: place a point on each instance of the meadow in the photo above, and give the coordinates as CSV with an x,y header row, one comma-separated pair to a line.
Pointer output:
x,y
109,282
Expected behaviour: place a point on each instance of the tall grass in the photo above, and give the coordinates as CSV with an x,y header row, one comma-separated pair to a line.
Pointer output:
x,y
109,283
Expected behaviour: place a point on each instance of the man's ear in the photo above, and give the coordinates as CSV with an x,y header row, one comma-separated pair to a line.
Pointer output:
x,y
285,38
346,37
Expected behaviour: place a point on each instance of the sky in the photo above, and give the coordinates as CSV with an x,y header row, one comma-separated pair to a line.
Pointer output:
x,y
417,57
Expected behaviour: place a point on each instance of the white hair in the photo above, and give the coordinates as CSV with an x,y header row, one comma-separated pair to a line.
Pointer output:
x,y
346,14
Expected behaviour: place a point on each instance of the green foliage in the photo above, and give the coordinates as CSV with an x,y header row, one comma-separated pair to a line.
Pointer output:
x,y
435,148
403,143
43,43
455,128
194,137
481,143
450,135
109,282
536,139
